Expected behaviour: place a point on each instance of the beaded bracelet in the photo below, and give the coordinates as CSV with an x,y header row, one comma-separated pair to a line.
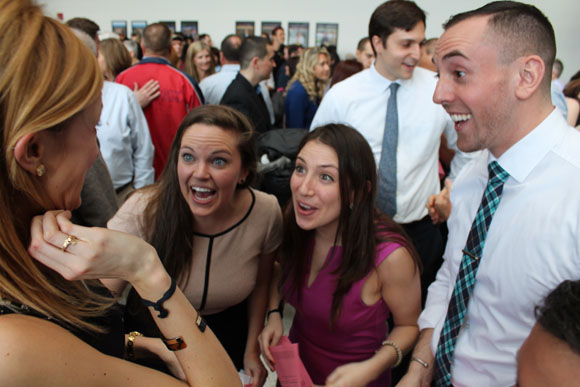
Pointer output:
x,y
397,349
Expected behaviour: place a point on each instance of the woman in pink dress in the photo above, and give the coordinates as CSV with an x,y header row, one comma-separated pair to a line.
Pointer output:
x,y
344,267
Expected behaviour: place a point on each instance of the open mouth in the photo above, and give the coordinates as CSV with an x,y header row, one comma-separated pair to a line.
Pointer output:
x,y
202,194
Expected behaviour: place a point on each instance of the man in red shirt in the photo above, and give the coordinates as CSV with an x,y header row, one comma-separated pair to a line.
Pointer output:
x,y
179,92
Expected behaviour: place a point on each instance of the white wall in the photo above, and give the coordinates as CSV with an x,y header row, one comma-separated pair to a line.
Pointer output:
x,y
218,17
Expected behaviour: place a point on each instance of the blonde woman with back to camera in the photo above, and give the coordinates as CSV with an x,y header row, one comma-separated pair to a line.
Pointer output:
x,y
58,323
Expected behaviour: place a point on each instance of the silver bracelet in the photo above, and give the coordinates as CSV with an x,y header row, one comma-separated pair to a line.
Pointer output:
x,y
422,362
397,349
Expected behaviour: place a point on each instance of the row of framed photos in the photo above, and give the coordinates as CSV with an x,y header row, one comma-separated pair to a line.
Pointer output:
x,y
297,33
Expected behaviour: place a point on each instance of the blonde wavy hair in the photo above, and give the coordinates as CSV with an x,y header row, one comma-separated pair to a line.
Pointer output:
x,y
305,73
192,51
47,76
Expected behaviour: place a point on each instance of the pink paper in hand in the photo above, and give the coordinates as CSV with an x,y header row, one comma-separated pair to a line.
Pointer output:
x,y
289,366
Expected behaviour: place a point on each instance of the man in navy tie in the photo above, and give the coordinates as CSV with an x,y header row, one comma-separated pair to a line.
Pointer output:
x,y
515,221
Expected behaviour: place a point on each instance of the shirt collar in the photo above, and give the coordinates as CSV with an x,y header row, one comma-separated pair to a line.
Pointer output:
x,y
230,67
155,59
522,157
381,83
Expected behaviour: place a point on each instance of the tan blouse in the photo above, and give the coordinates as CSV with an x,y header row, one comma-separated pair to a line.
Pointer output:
x,y
229,259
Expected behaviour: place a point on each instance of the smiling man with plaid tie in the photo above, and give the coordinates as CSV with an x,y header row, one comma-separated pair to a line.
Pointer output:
x,y
514,231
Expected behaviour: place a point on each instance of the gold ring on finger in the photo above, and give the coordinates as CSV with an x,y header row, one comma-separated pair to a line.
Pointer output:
x,y
71,240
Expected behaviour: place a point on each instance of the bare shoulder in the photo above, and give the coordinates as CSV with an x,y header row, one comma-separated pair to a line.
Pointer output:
x,y
27,346
38,352
398,266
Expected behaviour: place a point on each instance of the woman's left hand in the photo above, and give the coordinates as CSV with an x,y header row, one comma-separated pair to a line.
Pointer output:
x,y
350,375
254,367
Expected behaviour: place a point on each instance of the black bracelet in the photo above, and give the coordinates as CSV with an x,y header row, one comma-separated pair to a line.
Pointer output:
x,y
273,311
279,309
158,306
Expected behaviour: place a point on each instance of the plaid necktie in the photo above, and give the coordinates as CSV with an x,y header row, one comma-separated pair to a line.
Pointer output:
x,y
467,272
387,195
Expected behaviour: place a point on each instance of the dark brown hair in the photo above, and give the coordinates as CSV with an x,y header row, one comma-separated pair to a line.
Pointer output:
x,y
167,219
394,14
344,69
361,227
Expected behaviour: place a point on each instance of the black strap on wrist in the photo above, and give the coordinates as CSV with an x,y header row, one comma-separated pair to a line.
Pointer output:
x,y
279,309
158,306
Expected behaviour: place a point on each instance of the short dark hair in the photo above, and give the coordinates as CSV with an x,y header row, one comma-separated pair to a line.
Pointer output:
x,y
362,43
393,14
253,46
276,29
157,38
560,313
558,67
231,47
522,28
293,48
86,25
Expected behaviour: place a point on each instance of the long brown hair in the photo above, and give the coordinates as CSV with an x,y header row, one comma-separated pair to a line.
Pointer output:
x,y
37,96
167,219
360,227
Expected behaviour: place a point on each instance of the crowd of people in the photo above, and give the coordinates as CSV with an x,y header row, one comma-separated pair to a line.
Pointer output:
x,y
137,247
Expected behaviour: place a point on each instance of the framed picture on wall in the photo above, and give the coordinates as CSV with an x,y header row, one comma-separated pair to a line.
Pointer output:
x,y
298,34
326,34
245,28
189,29
138,26
268,27
120,28
170,25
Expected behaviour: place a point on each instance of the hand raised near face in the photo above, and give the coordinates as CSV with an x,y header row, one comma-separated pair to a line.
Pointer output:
x,y
78,252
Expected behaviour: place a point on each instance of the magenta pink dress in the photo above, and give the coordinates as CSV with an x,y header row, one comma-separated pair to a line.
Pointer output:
x,y
358,332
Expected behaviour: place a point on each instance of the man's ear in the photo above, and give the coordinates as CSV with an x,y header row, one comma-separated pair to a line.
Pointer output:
x,y
28,151
254,62
531,74
377,43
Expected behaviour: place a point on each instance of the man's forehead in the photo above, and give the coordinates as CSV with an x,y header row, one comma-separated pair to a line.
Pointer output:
x,y
417,33
462,38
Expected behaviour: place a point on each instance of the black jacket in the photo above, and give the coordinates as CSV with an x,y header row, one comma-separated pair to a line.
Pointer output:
x,y
242,96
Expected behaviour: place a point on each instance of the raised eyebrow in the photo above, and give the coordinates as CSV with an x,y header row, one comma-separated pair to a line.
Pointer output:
x,y
453,54
328,166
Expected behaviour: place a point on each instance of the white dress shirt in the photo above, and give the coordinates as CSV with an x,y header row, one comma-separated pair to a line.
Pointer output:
x,y
361,100
214,87
533,244
124,137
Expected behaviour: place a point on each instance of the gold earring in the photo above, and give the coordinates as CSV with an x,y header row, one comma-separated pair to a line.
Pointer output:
x,y
40,170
